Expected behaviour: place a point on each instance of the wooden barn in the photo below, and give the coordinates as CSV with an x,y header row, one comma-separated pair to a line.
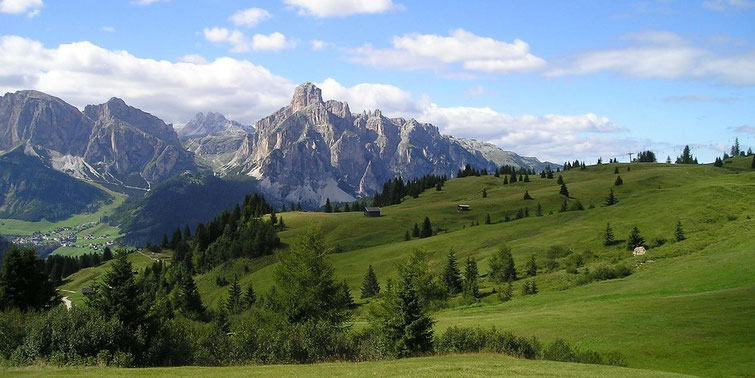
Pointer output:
x,y
371,211
463,208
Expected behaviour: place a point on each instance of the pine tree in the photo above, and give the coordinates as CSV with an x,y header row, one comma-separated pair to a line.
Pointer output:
x,y
370,285
505,293
164,244
250,297
564,191
273,217
415,231
346,208
452,275
616,170
735,151
187,233
608,239
635,239
427,229
118,295
502,267
560,180
531,267
564,205
484,193
191,302
24,285
487,218
233,304
526,178
618,181
668,159
407,237
281,224
107,254
438,187
471,284
611,199
539,211
527,195
718,163
328,208
408,329
505,180
679,231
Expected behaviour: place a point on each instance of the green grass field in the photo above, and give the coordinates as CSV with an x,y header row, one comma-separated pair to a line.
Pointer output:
x,y
689,307
472,365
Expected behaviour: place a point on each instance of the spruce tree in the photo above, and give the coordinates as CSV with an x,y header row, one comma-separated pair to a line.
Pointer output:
x,y
403,321
407,237
487,218
370,285
273,217
471,284
539,211
452,275
635,239
527,195
611,199
505,180
24,285
250,297
531,267
502,267
187,233
164,244
679,231
415,231
506,292
328,208
233,304
118,295
438,187
484,193
616,170
191,302
618,181
107,254
427,229
560,180
564,191
564,205
608,239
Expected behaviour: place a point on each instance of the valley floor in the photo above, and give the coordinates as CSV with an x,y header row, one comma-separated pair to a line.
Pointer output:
x,y
468,365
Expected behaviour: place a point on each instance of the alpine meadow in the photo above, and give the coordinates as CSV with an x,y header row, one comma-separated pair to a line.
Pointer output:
x,y
333,188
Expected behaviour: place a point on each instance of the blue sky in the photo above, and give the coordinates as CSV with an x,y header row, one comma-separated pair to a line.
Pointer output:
x,y
554,79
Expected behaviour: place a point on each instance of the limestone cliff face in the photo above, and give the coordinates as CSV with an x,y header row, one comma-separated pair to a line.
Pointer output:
x,y
111,143
212,138
311,150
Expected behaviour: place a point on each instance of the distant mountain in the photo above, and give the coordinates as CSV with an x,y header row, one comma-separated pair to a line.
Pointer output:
x,y
115,144
501,157
31,190
311,150
185,199
212,138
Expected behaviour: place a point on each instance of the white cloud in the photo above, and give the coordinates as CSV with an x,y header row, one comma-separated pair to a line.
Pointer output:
x,y
722,5
240,43
250,17
431,51
477,90
193,58
367,96
108,29
663,55
82,73
340,8
30,7
319,45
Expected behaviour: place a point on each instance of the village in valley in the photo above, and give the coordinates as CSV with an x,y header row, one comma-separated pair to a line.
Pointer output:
x,y
66,236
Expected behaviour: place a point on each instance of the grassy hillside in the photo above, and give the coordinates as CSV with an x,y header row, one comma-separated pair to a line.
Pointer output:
x,y
688,306
485,365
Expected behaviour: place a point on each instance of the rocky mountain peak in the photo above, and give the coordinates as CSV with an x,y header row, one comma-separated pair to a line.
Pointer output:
x,y
306,94
211,123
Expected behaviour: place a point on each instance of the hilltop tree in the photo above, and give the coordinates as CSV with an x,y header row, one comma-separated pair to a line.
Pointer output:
x,y
452,275
305,282
564,191
608,239
502,267
668,159
679,231
370,285
611,199
328,208
686,157
427,229
618,181
527,195
718,162
735,150
24,285
531,267
635,239
471,285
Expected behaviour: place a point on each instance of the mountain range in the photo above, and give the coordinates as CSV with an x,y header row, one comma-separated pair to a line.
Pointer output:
x,y
306,152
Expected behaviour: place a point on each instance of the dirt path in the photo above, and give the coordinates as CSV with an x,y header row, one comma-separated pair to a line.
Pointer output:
x,y
67,302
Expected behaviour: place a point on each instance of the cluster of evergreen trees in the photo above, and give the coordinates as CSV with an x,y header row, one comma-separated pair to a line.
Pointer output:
x,y
469,171
576,164
395,189
59,267
646,157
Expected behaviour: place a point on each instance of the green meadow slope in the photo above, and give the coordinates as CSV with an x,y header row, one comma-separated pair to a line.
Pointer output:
x,y
688,307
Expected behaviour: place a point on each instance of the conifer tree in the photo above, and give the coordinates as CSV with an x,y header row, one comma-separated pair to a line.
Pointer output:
x,y
608,239
564,191
187,233
233,304
718,163
527,178
735,151
452,275
415,231
370,285
616,170
471,284
527,195
346,208
668,159
427,229
487,219
117,294
564,205
250,297
107,254
679,231
505,180
281,224
164,244
191,302
408,329
618,181
273,217
24,285
635,239
438,187
506,292
539,211
328,208
407,237
484,193
531,267
502,267
513,177
560,180
611,199
753,163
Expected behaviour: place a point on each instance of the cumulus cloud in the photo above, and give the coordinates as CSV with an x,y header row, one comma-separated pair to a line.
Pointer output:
x,y
460,47
193,58
82,73
340,8
30,7
722,5
250,17
239,43
367,96
663,55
